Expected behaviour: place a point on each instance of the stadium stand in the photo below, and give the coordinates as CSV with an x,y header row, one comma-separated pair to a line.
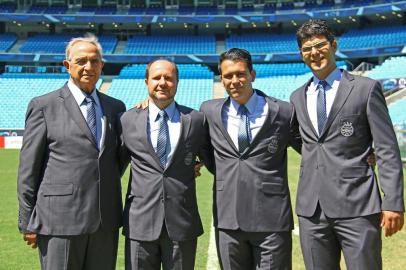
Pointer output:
x,y
263,43
164,45
7,41
8,7
195,85
57,43
394,67
280,80
373,37
17,89
397,112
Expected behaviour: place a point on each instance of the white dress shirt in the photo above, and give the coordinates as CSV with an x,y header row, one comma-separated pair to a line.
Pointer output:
x,y
80,96
174,126
333,81
257,112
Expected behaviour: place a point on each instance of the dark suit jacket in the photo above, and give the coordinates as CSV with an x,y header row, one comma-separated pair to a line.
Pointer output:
x,y
251,190
334,169
65,185
156,195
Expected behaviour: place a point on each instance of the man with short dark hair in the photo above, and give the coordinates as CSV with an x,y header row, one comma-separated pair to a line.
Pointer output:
x,y
341,116
69,187
250,133
161,217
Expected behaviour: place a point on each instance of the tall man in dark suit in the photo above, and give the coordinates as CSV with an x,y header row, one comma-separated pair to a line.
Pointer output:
x,y
69,176
161,218
341,116
250,133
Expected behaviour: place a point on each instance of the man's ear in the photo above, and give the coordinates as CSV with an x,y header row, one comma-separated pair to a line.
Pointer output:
x,y
334,45
253,75
66,64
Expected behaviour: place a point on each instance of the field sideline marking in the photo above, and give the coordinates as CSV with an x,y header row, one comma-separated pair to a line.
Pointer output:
x,y
212,260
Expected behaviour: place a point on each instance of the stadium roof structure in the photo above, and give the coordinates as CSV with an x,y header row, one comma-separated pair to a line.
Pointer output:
x,y
236,16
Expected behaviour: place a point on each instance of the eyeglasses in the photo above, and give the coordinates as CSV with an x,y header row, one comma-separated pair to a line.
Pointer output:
x,y
317,46
84,61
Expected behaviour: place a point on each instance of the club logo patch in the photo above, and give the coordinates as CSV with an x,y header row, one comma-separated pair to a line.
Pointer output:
x,y
273,145
188,158
347,129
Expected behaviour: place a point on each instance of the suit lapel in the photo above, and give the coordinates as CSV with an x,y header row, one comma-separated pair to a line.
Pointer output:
x,y
74,111
107,115
343,91
143,120
185,123
273,110
219,121
302,109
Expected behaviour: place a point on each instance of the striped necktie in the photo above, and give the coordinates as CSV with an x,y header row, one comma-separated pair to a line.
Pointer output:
x,y
91,116
244,131
321,106
163,138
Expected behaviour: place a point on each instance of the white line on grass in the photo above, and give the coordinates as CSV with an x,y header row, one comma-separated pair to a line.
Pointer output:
x,y
212,260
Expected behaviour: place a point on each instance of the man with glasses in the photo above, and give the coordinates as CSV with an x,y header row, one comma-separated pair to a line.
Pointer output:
x,y
69,187
341,116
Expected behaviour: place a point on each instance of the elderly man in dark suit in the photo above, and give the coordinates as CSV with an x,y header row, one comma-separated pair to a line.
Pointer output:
x,y
69,176
341,116
161,218
250,133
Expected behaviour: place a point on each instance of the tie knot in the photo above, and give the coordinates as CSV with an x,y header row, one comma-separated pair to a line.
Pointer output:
x,y
322,85
89,99
243,110
162,115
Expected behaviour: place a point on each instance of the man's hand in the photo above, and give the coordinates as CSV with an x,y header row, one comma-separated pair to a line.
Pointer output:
x,y
143,105
197,169
31,239
391,222
372,160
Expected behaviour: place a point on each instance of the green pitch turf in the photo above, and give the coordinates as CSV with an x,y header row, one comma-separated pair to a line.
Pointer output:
x,y
14,254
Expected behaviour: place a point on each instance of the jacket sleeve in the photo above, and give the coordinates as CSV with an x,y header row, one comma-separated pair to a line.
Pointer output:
x,y
386,149
295,138
32,158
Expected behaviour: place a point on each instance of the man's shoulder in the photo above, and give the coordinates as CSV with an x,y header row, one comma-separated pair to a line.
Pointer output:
x,y
111,100
272,99
48,98
208,104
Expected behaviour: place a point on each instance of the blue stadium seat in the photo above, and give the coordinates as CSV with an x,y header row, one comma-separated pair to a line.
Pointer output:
x,y
373,38
263,43
397,113
394,67
7,41
25,87
163,45
56,43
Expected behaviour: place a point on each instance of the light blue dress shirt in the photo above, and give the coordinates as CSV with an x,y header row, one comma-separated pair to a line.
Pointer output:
x,y
257,113
80,96
333,81
174,126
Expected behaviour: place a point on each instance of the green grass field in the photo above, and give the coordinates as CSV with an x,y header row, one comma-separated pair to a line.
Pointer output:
x,y
14,254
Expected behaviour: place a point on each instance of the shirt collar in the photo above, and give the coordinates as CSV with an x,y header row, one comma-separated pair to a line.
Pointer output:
x,y
79,95
335,75
250,105
154,110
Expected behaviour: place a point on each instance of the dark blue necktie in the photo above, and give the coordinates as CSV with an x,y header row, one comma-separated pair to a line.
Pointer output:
x,y
163,138
244,131
321,106
91,116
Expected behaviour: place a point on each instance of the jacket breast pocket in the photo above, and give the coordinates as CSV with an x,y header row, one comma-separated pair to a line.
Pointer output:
x,y
352,125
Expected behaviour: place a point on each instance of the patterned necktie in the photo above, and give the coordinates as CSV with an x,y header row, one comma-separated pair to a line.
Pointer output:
x,y
163,138
91,115
244,131
321,106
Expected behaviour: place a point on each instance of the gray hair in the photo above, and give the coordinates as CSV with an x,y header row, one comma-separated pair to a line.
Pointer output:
x,y
90,38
